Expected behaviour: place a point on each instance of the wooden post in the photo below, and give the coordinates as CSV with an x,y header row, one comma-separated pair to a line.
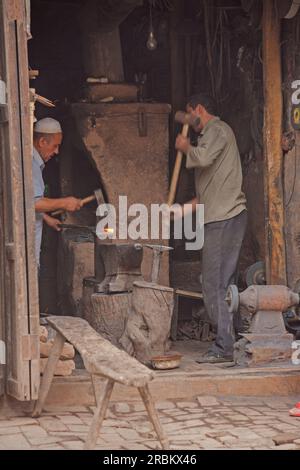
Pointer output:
x,y
177,61
18,240
274,205
178,98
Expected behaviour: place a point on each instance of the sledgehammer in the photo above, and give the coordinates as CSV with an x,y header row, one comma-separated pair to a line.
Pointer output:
x,y
187,120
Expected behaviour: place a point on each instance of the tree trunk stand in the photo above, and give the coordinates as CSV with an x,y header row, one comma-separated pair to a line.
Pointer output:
x,y
148,328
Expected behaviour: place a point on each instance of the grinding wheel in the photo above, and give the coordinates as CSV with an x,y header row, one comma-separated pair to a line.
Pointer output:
x,y
233,299
256,274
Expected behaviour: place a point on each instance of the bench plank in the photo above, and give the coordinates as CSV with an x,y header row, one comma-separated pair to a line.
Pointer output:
x,y
100,357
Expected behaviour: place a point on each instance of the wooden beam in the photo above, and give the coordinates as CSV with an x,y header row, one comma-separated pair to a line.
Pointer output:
x,y
274,205
189,294
178,87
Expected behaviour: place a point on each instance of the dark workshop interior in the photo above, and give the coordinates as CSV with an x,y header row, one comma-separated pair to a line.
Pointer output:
x,y
199,46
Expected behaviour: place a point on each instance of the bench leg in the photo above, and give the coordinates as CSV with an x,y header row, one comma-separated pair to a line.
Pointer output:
x,y
152,413
55,354
98,384
99,414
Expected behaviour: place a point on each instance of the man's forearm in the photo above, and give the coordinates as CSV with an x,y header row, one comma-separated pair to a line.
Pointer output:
x,y
48,205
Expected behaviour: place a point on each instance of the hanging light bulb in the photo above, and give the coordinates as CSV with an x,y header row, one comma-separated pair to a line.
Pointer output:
x,y
152,42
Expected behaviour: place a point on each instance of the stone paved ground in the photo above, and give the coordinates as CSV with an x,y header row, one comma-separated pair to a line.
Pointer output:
x,y
201,423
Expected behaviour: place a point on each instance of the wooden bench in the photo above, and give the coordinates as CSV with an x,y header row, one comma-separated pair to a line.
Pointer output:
x,y
103,361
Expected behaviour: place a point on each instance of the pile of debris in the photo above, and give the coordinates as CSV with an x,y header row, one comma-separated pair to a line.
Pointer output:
x,y
198,328
66,364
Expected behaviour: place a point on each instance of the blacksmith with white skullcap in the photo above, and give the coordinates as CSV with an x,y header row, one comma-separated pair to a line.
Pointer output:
x,y
47,138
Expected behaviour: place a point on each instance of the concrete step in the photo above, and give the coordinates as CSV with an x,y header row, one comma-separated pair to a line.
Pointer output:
x,y
279,380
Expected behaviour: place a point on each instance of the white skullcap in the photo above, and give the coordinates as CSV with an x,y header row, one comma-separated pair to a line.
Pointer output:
x,y
48,126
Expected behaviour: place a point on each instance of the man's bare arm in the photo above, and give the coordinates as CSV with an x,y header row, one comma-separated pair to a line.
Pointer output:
x,y
70,204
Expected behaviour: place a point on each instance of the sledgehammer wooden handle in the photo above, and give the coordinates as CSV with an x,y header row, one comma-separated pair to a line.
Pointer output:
x,y
176,171
83,203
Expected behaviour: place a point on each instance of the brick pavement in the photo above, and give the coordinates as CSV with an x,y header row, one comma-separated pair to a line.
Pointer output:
x,y
200,423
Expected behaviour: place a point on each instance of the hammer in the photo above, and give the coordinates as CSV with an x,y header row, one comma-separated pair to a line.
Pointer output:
x,y
186,120
98,195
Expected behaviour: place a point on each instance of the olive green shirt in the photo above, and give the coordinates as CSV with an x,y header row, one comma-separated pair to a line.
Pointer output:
x,y
218,172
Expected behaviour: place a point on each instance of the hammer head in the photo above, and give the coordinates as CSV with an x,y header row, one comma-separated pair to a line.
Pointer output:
x,y
186,118
99,196
101,199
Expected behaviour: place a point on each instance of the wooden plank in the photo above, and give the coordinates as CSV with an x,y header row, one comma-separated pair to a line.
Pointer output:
x,y
16,303
29,213
2,264
189,294
274,205
33,74
3,111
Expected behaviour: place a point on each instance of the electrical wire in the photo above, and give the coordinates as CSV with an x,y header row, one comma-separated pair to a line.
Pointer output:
x,y
295,177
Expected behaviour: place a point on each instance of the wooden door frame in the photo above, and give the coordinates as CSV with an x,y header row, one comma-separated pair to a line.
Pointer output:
x,y
21,301
3,113
273,154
